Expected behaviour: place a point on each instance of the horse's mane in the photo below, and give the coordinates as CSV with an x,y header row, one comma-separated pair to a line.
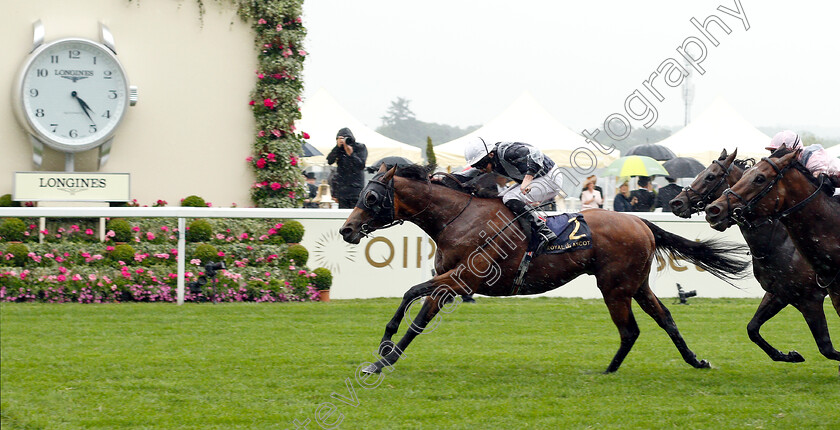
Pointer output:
x,y
421,173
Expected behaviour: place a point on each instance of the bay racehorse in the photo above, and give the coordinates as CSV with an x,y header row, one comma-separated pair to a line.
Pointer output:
x,y
784,274
479,250
780,187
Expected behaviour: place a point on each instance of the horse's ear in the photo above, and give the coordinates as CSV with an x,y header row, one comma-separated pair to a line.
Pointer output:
x,y
382,168
731,156
723,154
390,175
789,158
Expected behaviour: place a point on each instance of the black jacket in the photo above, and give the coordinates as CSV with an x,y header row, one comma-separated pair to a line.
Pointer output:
x,y
350,176
645,200
621,204
665,195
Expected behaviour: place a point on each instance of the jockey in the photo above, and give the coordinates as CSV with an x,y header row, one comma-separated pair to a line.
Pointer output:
x,y
538,177
813,157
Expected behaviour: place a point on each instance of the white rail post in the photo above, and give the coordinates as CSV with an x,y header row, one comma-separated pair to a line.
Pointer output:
x,y
181,257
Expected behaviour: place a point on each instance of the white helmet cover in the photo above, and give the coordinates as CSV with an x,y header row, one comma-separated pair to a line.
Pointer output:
x,y
476,150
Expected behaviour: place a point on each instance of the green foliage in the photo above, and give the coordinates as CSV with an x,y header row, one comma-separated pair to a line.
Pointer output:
x,y
12,229
6,201
206,253
323,278
431,160
298,253
193,202
292,231
199,230
123,252
400,124
19,251
121,228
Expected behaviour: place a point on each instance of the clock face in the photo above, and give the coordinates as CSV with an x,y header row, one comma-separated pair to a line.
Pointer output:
x,y
74,93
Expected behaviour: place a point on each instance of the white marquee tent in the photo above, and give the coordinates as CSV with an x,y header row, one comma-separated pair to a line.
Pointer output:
x,y
834,150
524,121
716,128
322,117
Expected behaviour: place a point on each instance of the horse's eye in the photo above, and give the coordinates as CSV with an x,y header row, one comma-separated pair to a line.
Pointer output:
x,y
371,198
759,179
710,177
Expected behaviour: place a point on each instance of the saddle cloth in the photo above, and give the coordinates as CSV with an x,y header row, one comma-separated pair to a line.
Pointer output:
x,y
572,234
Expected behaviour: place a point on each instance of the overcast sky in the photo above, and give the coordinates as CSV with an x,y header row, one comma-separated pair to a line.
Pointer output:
x,y
463,62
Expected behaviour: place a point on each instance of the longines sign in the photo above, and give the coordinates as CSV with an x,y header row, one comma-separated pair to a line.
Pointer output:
x,y
71,186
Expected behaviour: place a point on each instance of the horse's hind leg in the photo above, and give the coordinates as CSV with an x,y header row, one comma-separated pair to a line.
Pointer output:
x,y
814,315
628,330
770,305
654,307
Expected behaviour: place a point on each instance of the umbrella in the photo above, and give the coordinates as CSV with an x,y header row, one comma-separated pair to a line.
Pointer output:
x,y
652,150
309,150
683,167
389,162
635,165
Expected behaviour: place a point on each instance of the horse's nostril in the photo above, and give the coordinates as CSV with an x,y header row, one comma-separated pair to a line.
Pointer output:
x,y
345,231
713,210
676,203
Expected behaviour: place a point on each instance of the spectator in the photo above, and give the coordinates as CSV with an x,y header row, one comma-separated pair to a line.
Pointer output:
x,y
590,198
622,199
310,202
666,194
643,199
595,180
350,157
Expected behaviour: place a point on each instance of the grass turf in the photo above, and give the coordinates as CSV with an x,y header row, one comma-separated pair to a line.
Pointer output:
x,y
499,363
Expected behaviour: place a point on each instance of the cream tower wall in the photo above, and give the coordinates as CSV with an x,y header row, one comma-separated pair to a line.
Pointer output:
x,y
192,128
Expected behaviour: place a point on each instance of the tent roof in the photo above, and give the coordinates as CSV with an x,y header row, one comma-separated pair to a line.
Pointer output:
x,y
716,128
525,120
834,150
322,117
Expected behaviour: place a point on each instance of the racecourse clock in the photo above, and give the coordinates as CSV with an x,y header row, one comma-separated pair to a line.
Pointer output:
x,y
71,94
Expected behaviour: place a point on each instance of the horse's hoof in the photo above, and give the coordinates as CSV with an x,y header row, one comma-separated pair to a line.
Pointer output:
x,y
372,370
704,364
794,357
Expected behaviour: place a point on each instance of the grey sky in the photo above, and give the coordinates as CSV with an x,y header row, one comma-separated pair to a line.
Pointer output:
x,y
463,62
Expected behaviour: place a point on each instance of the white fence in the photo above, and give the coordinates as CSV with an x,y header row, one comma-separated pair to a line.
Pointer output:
x,y
392,260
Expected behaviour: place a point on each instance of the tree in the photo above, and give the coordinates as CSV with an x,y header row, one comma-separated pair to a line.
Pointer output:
x,y
431,160
397,112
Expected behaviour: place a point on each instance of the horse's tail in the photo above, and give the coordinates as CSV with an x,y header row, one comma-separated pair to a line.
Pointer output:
x,y
712,255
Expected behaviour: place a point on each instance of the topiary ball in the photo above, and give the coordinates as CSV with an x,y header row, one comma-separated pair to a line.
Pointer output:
x,y
298,253
206,253
12,229
121,228
199,230
124,253
6,201
194,202
292,231
322,279
19,251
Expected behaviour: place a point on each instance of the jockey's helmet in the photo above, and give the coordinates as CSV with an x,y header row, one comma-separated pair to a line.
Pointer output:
x,y
786,138
476,150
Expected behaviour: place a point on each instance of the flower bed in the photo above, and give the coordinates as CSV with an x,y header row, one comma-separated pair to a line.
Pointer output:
x,y
71,267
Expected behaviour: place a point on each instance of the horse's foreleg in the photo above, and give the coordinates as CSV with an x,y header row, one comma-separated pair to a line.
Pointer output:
x,y
654,307
391,353
628,330
419,290
768,308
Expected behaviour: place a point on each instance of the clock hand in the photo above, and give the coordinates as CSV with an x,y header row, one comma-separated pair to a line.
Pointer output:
x,y
85,107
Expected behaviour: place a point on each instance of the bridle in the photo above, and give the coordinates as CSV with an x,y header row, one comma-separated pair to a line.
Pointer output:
x,y
378,198
740,213
709,195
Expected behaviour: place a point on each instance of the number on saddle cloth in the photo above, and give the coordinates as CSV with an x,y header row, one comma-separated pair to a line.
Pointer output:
x,y
572,234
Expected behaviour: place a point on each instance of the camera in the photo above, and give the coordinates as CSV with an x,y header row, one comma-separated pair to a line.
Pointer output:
x,y
210,270
684,295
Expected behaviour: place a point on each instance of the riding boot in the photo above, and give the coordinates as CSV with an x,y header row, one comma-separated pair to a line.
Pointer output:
x,y
545,234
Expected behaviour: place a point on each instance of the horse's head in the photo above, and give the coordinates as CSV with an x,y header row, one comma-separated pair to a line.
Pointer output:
x,y
707,186
375,208
758,194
